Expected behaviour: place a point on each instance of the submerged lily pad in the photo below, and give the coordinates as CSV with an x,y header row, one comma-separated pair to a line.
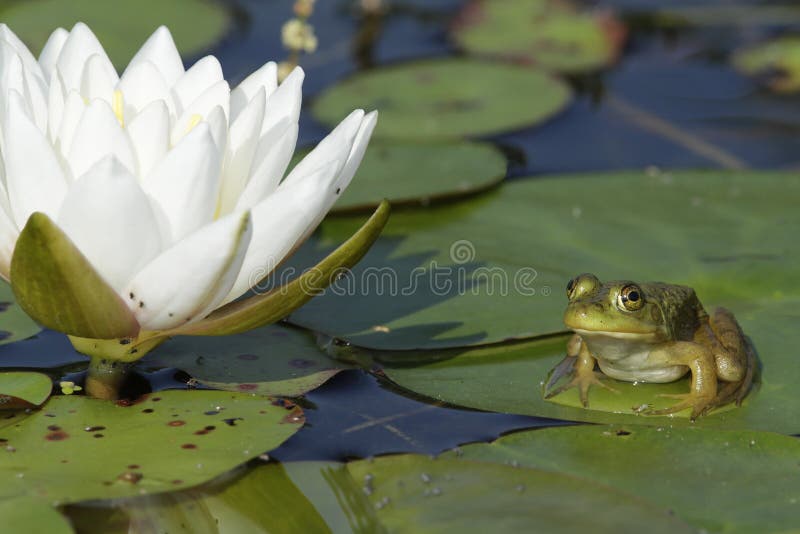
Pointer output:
x,y
121,27
23,390
549,33
446,98
410,493
15,324
495,267
31,515
272,360
776,63
419,174
715,480
76,448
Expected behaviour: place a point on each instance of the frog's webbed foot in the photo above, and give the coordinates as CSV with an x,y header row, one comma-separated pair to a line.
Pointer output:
x,y
580,378
700,404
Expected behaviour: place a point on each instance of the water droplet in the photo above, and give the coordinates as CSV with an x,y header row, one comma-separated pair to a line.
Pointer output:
x,y
520,488
436,492
425,477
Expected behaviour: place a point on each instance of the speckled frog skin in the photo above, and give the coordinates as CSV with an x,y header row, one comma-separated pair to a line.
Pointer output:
x,y
653,332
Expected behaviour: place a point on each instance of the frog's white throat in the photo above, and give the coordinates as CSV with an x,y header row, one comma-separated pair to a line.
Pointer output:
x,y
626,356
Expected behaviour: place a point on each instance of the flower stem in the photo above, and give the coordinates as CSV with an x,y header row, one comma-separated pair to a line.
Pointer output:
x,y
105,378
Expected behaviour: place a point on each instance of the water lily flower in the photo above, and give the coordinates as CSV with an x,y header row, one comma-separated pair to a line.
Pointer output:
x,y
138,204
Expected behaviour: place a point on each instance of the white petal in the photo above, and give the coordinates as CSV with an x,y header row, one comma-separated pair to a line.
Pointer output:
x,y
52,48
73,111
34,177
28,60
186,182
149,134
216,95
141,85
55,106
78,48
285,101
242,144
273,156
186,282
264,78
98,81
8,234
357,152
99,134
279,222
160,50
11,77
335,146
195,81
108,217
36,93
218,124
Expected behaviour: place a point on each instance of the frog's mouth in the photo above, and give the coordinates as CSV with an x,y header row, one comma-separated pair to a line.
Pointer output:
x,y
637,336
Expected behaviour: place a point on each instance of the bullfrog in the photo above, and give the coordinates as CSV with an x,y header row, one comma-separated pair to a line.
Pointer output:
x,y
653,332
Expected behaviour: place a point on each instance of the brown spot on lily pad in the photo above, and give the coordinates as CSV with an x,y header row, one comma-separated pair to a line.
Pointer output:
x,y
247,387
296,416
131,477
58,435
177,422
188,446
302,363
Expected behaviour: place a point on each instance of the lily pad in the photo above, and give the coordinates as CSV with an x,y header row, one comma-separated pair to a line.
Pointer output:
x,y
414,174
31,515
15,324
495,267
549,33
271,360
446,98
715,480
412,493
23,390
776,63
121,27
76,448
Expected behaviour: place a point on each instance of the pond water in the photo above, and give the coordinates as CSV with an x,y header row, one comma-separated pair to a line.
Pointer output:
x,y
672,101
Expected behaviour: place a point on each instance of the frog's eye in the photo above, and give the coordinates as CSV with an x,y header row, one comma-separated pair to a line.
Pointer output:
x,y
631,298
582,285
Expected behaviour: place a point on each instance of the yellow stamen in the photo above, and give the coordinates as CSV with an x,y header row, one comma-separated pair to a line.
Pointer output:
x,y
194,120
118,105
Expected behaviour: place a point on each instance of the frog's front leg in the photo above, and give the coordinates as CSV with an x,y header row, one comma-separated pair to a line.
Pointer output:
x,y
582,373
700,361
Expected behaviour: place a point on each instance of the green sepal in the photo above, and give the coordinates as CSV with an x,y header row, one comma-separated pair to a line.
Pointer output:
x,y
259,310
57,286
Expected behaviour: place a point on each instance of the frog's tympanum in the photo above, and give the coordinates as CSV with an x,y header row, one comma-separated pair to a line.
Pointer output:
x,y
653,332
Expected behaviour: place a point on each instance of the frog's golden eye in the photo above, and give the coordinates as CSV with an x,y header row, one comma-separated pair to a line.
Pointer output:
x,y
631,298
582,285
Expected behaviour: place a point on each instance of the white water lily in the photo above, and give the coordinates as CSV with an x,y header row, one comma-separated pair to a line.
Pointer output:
x,y
168,182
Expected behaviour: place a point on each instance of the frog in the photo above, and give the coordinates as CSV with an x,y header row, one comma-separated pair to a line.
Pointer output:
x,y
653,332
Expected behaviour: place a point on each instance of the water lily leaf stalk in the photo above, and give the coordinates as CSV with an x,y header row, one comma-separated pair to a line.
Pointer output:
x,y
57,286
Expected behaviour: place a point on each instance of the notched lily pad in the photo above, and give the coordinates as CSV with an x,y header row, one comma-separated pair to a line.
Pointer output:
x,y
776,63
271,360
23,390
15,324
552,34
715,480
76,448
447,98
418,174
120,26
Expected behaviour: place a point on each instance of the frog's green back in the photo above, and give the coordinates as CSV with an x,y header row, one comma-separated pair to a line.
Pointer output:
x,y
680,308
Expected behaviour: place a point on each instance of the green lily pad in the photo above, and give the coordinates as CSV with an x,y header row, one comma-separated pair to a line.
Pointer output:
x,y
15,324
23,390
76,448
716,481
550,33
412,493
31,515
446,98
121,27
776,63
271,360
414,174
495,267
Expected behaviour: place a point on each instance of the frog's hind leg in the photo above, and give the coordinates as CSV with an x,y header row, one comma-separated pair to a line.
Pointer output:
x,y
734,357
